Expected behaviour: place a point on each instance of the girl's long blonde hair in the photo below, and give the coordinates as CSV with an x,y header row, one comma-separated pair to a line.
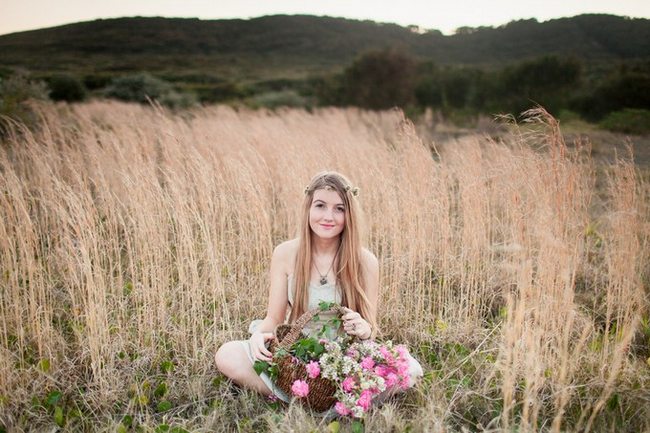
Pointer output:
x,y
348,269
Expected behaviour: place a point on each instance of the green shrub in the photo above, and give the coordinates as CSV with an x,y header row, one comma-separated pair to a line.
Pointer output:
x,y
144,87
66,88
226,91
628,120
15,94
96,81
286,98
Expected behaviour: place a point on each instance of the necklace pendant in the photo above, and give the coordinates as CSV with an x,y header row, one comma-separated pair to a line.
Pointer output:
x,y
323,280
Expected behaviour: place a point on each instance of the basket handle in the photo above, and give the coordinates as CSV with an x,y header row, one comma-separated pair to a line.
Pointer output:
x,y
300,323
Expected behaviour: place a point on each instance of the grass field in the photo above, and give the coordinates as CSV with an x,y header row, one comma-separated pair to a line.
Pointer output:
x,y
134,241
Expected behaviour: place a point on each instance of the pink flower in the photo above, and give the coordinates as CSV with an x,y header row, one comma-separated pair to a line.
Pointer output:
x,y
402,351
382,371
405,383
391,379
348,384
403,369
300,388
367,363
342,409
313,369
390,359
365,400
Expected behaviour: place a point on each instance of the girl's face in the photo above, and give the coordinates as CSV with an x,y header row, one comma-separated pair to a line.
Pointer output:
x,y
326,214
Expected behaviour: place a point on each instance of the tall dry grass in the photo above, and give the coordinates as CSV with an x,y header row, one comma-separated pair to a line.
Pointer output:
x,y
134,241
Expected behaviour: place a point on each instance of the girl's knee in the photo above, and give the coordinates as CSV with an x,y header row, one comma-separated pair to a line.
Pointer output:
x,y
232,361
224,357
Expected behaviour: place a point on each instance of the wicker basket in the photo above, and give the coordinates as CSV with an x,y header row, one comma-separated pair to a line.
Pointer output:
x,y
321,390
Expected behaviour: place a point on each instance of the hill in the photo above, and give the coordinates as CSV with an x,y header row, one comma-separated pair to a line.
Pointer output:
x,y
297,46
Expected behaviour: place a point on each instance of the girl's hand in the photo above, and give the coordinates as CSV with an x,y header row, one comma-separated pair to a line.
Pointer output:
x,y
354,324
257,344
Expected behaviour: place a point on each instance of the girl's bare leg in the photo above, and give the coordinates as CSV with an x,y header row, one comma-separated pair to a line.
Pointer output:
x,y
233,361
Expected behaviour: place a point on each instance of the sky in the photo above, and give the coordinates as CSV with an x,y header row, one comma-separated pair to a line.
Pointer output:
x,y
446,16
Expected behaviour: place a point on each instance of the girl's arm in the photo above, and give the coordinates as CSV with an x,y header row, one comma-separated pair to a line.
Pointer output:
x,y
277,305
371,283
353,323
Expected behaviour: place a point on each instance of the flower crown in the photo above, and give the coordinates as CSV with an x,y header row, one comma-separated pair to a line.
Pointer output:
x,y
354,190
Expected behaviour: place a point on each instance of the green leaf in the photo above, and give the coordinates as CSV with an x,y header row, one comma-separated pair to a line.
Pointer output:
x,y
334,427
357,426
613,403
122,428
161,390
166,366
127,420
162,428
274,371
260,367
44,365
164,406
58,416
318,350
178,430
53,398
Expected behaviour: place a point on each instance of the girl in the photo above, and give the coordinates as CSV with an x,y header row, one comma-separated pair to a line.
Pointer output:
x,y
325,263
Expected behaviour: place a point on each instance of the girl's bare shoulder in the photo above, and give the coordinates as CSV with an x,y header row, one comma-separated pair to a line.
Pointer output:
x,y
368,259
284,254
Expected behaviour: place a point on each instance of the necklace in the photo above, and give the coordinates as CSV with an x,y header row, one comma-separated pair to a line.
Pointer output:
x,y
323,277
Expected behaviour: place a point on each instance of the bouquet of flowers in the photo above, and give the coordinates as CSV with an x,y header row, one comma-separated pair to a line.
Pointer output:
x,y
358,370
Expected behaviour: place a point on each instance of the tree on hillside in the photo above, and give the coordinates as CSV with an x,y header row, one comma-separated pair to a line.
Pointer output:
x,y
547,81
627,90
451,88
380,80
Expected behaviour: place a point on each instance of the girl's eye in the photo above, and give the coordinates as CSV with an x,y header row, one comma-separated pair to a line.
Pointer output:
x,y
340,209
